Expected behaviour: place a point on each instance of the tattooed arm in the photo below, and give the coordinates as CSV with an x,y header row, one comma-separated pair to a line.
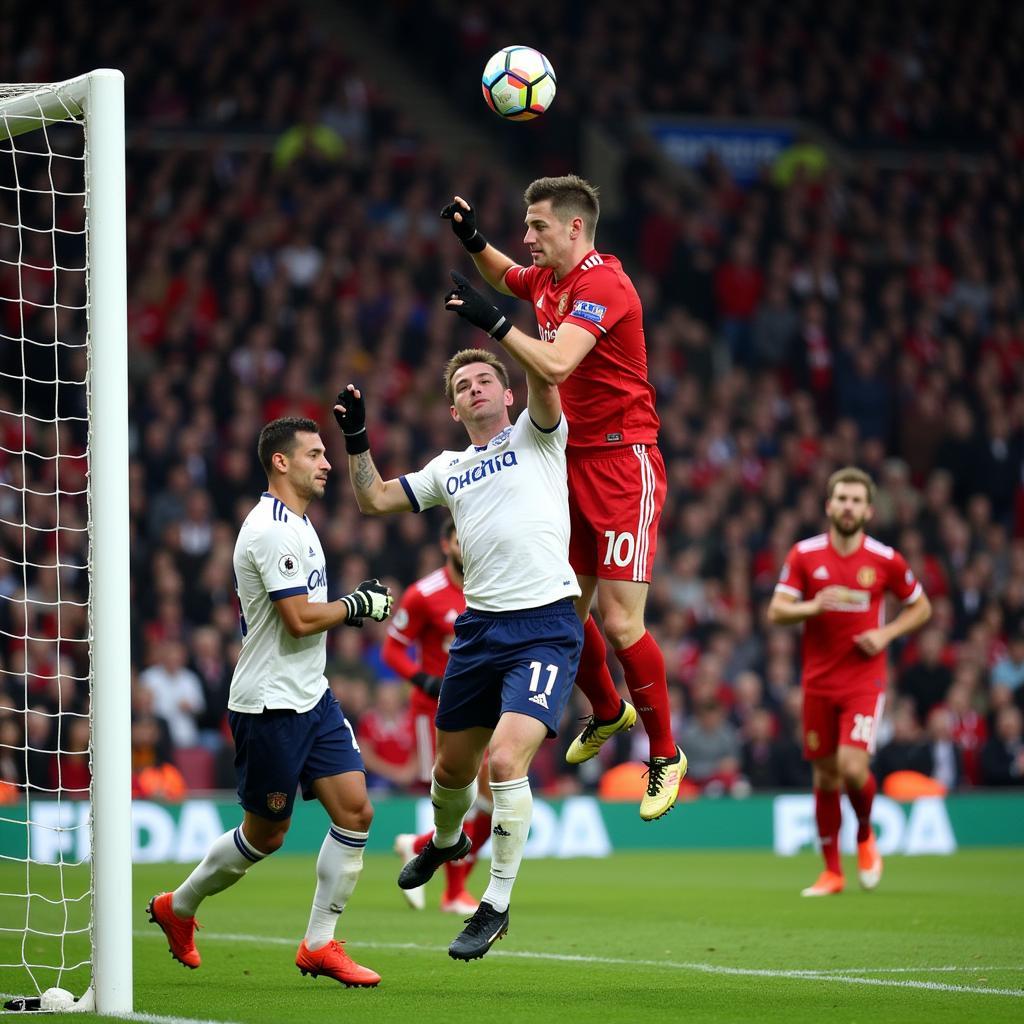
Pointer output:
x,y
374,496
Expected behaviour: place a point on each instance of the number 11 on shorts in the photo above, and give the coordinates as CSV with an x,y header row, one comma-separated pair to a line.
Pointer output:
x,y
535,668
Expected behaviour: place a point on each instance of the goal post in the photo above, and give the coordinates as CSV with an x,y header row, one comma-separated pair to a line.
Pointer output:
x,y
95,102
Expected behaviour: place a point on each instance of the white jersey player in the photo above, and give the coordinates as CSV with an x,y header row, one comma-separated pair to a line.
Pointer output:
x,y
288,729
511,667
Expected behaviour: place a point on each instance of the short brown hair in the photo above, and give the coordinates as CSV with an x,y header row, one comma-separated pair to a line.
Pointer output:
x,y
571,196
464,358
279,436
852,475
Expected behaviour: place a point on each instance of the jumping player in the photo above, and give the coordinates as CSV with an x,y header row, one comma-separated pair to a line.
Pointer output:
x,y
425,618
589,314
835,583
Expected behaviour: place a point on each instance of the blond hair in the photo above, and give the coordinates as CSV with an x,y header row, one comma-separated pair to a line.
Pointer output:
x,y
852,475
464,358
571,196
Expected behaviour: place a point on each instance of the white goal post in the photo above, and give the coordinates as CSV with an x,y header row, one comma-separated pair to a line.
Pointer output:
x,y
93,102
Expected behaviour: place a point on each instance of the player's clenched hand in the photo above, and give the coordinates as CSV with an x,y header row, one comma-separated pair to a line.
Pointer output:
x,y
370,600
463,218
350,412
430,685
872,641
468,303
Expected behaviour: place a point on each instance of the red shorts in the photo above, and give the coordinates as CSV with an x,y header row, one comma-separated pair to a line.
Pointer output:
x,y
422,710
615,502
849,720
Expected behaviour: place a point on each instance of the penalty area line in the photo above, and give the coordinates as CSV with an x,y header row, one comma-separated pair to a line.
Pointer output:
x,y
702,968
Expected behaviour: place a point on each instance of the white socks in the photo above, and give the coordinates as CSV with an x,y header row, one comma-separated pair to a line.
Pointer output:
x,y
513,811
450,809
337,870
230,856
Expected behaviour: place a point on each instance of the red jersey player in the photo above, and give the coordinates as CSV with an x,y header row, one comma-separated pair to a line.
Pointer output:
x,y
589,314
836,584
425,619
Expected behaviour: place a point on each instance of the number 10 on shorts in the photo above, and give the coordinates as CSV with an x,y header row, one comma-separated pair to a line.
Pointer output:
x,y
620,548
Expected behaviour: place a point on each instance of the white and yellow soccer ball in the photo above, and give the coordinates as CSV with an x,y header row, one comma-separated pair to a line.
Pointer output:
x,y
519,83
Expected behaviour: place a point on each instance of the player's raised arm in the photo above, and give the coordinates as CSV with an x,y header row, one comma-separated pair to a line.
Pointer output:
x,y
551,363
373,495
492,263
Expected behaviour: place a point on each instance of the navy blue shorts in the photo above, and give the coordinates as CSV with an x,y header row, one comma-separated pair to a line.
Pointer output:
x,y
522,661
276,751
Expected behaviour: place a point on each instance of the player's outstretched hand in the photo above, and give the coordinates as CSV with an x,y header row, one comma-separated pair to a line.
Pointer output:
x,y
463,218
350,412
430,685
370,600
468,303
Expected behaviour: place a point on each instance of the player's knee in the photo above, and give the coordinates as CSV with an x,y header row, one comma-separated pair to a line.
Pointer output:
x,y
622,628
362,817
271,840
507,763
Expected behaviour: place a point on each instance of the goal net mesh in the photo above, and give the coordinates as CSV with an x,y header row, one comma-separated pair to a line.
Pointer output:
x,y
45,515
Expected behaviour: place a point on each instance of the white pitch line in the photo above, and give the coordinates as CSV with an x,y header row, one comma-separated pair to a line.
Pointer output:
x,y
748,972
143,1018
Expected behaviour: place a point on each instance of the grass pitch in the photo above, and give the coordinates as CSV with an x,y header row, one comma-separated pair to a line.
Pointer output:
x,y
646,937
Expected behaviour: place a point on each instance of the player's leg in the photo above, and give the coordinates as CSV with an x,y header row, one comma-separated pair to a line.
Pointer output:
x,y
858,728
333,773
821,740
457,899
539,651
268,775
593,678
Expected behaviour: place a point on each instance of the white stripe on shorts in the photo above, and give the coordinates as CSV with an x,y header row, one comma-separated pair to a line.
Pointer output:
x,y
646,516
879,711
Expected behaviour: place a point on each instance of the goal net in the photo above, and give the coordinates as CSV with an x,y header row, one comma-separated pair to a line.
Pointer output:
x,y
65,839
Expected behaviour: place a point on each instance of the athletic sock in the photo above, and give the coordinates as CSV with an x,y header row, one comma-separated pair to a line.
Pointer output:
x,y
227,859
450,808
337,870
593,677
829,814
644,668
513,811
861,801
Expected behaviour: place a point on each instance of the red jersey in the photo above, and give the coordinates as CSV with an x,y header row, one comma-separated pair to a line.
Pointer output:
x,y
425,617
832,663
607,399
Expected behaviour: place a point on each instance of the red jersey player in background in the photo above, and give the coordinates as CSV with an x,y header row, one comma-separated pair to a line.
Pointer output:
x,y
589,314
425,619
836,584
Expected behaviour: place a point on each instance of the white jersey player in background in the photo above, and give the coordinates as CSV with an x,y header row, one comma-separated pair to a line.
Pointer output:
x,y
511,667
288,729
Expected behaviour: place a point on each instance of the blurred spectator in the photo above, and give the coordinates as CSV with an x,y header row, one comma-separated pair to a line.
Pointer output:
x,y
926,682
386,740
177,693
1002,757
712,748
908,748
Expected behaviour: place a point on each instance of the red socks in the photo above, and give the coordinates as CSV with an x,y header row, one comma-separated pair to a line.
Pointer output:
x,y
644,667
593,677
829,814
861,800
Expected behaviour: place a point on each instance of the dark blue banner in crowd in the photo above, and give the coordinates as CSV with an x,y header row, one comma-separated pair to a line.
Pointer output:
x,y
744,148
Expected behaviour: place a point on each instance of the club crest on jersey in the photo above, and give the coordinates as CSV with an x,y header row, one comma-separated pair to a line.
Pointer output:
x,y
276,802
563,304
288,565
812,740
588,311
866,575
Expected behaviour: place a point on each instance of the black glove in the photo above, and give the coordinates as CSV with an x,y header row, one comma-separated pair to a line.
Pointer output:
x,y
476,309
370,599
430,685
352,421
465,229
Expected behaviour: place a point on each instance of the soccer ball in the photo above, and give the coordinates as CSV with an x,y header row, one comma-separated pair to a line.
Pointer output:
x,y
519,83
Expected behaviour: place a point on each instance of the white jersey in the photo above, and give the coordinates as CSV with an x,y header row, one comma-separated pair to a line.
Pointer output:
x,y
277,555
510,502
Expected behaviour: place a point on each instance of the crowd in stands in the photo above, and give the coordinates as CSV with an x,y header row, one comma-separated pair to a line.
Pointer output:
x,y
850,317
